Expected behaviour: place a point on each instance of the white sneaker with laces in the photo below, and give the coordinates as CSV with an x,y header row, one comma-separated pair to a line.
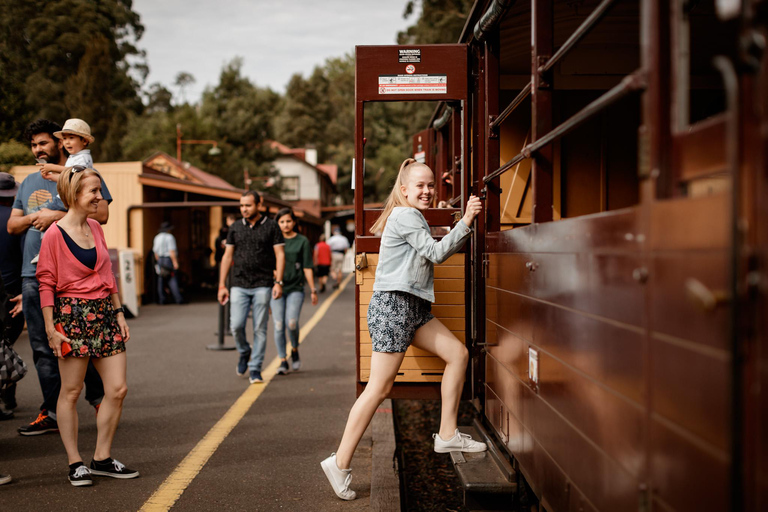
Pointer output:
x,y
458,443
339,478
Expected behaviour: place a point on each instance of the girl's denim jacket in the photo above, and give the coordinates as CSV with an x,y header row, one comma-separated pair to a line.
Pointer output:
x,y
408,253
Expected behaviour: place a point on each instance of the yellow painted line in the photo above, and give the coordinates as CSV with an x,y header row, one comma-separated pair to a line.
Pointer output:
x,y
177,482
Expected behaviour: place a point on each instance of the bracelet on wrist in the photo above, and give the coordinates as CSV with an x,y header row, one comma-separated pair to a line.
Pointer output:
x,y
121,309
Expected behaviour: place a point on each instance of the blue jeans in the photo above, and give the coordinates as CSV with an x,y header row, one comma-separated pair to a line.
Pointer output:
x,y
241,301
285,314
46,363
173,283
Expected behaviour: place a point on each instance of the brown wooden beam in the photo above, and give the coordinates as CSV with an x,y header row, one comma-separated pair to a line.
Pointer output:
x,y
542,25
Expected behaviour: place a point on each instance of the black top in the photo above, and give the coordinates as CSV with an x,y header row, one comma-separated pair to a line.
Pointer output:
x,y
10,254
85,256
254,257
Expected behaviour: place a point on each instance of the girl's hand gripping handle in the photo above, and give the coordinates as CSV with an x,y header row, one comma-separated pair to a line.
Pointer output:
x,y
474,207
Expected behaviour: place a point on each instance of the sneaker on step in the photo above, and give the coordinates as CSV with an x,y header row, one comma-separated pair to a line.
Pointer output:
x,y
5,479
283,368
295,361
339,478
242,363
112,468
42,425
255,377
5,415
458,443
80,476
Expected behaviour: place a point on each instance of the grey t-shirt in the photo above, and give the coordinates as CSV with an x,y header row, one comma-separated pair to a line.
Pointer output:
x,y
36,193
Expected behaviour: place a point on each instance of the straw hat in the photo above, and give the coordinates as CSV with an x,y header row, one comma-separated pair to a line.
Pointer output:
x,y
77,127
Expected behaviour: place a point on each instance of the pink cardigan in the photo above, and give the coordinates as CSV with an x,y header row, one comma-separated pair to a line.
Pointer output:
x,y
62,275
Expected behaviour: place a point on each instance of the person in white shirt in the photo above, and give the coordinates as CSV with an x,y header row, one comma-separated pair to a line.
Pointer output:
x,y
339,245
166,256
75,137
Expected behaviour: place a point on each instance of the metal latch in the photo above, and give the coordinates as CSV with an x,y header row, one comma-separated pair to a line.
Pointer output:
x,y
361,263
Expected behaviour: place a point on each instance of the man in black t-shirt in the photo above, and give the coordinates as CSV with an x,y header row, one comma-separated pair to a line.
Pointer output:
x,y
256,246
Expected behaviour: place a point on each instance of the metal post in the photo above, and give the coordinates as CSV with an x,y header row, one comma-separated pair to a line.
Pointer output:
x,y
221,331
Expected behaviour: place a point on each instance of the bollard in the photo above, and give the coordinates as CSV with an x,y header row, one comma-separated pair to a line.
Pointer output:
x,y
220,333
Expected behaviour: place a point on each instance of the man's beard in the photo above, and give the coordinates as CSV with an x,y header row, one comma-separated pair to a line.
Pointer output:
x,y
50,159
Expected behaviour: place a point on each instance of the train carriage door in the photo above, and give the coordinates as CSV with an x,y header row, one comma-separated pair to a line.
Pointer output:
x,y
405,74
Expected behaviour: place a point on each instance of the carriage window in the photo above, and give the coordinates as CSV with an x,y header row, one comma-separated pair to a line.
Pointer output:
x,y
698,37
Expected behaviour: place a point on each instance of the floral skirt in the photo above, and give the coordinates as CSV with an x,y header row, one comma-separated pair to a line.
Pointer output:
x,y
393,319
91,326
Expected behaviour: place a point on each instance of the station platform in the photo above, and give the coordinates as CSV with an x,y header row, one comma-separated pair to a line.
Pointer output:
x,y
202,437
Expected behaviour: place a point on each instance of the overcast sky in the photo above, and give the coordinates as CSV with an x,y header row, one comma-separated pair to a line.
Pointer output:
x,y
275,38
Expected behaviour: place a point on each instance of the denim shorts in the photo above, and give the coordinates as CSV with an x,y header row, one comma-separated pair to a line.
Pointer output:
x,y
393,319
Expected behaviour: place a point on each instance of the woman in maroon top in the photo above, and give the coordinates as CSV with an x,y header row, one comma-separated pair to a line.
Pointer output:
x,y
84,320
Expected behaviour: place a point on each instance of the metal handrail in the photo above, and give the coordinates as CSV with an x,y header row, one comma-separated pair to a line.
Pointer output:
x,y
511,107
587,25
631,83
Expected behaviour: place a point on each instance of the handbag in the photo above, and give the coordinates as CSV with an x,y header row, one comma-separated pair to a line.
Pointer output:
x,y
12,367
164,266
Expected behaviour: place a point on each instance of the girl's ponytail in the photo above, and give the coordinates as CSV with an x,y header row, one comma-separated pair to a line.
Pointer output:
x,y
396,197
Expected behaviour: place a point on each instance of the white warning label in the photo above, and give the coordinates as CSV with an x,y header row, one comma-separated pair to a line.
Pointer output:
x,y
413,84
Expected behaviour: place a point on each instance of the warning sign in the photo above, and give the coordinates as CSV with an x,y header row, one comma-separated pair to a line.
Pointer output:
x,y
413,84
413,56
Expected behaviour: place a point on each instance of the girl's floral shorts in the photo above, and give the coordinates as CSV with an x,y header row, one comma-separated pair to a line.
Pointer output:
x,y
393,319
91,326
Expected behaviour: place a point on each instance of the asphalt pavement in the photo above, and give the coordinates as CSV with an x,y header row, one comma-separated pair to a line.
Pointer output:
x,y
178,391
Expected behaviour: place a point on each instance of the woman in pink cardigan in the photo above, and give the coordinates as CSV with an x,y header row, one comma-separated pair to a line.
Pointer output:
x,y
84,320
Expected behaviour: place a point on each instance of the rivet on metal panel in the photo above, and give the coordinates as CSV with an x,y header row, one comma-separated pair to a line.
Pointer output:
x,y
640,275
531,266
492,133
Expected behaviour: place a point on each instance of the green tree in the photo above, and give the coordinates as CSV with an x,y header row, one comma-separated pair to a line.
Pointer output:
x,y
14,153
71,58
183,80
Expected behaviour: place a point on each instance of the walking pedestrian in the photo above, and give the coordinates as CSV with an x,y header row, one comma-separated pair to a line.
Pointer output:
x,y
339,245
257,248
167,263
84,321
4,479
286,309
322,262
37,206
399,316
221,240
10,272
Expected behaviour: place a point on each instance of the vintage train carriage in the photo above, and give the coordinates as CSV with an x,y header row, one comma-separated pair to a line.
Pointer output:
x,y
615,287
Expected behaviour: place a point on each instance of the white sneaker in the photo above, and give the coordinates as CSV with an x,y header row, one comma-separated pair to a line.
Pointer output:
x,y
458,443
339,478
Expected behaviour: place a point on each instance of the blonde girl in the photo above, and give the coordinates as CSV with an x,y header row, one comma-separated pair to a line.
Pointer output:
x,y
399,316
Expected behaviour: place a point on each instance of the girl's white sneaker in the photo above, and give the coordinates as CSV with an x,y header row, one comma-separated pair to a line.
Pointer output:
x,y
339,478
458,443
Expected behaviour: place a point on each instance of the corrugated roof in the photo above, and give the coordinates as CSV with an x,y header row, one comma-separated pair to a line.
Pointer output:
x,y
187,171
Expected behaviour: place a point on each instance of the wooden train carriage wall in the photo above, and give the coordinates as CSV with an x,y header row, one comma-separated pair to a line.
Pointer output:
x,y
609,360
409,73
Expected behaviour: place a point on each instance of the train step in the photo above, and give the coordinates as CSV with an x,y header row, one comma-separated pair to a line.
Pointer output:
x,y
488,480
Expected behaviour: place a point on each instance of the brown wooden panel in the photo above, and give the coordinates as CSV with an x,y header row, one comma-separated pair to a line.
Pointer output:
x,y
547,438
409,376
674,312
700,151
455,260
449,285
700,223
609,353
598,283
692,389
513,312
449,311
411,363
365,338
618,230
449,272
686,476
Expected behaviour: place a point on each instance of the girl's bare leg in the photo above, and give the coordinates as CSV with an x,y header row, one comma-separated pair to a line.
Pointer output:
x,y
436,338
384,366
72,371
112,372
